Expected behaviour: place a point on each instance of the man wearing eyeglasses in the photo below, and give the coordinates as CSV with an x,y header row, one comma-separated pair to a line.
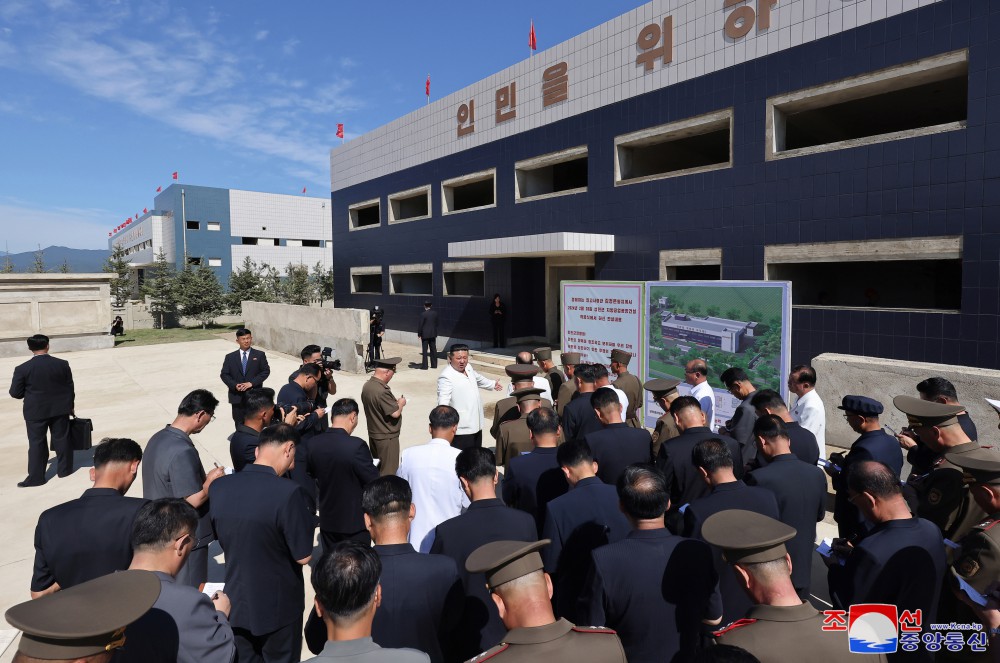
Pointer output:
x,y
173,468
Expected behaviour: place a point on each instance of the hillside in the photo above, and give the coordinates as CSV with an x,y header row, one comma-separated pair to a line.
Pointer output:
x,y
80,260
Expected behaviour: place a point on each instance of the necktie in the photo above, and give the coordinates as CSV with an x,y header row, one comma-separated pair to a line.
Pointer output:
x,y
244,363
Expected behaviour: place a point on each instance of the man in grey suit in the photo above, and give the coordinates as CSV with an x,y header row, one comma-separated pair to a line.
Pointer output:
x,y
184,625
348,593
740,427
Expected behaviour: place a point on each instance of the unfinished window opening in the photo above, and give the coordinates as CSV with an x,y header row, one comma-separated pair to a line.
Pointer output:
x,y
697,273
918,98
411,279
215,262
250,241
193,225
552,174
410,205
365,215
312,242
464,279
213,225
366,280
691,264
689,146
469,192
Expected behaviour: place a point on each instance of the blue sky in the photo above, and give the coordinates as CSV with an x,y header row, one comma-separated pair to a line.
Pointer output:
x,y
101,101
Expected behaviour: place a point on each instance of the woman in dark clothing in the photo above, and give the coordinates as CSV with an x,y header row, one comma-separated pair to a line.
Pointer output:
x,y
497,316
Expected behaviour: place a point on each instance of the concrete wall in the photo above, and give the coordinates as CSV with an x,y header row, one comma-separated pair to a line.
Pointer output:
x,y
287,328
73,310
838,375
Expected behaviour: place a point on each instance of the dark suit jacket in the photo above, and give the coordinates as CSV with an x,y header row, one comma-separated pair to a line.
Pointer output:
x,y
684,481
46,385
615,447
422,600
532,481
582,520
578,418
741,429
427,326
342,465
873,445
483,522
800,490
232,372
242,447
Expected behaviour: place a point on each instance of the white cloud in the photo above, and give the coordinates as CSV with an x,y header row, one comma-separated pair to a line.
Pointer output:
x,y
289,46
348,63
261,35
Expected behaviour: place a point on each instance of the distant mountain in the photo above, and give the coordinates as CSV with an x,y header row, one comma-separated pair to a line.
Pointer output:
x,y
80,260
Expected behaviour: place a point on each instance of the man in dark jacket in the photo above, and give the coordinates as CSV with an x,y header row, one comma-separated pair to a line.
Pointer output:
x,y
427,331
243,369
45,383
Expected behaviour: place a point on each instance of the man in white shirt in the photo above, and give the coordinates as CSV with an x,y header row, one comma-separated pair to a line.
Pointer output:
x,y
430,470
603,381
808,410
696,376
538,381
458,386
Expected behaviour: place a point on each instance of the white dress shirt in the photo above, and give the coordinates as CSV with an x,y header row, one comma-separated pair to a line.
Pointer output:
x,y
706,398
622,398
540,383
809,412
462,393
437,492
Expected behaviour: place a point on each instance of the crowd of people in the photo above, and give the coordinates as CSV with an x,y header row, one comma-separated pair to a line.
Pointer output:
x,y
579,536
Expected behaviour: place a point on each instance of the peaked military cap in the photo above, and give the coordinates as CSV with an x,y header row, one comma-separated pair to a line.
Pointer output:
x,y
927,413
621,356
983,465
522,395
521,371
503,561
661,385
570,358
542,353
388,362
747,536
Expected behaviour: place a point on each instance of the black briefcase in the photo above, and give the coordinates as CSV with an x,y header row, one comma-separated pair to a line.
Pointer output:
x,y
81,434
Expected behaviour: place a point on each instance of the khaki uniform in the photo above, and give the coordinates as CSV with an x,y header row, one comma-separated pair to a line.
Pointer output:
x,y
383,430
555,378
507,410
565,395
944,498
559,642
513,440
633,389
665,430
779,634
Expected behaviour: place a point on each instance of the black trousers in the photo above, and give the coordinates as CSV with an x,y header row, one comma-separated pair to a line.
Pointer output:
x,y
238,413
499,340
38,447
428,348
468,440
330,539
281,646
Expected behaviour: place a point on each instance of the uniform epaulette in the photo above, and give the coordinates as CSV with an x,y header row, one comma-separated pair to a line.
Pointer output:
x,y
987,524
595,629
489,653
735,625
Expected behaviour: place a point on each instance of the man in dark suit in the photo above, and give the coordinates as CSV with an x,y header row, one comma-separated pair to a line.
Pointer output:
x,y
803,442
258,409
585,518
343,466
578,417
243,369
798,487
656,589
427,331
46,385
89,537
740,426
296,394
487,519
684,481
533,479
617,445
715,463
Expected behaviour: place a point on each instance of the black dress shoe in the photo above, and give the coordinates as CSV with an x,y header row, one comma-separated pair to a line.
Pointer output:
x,y
27,483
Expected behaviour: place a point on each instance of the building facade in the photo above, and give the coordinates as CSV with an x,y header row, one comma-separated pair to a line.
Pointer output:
x,y
851,147
221,227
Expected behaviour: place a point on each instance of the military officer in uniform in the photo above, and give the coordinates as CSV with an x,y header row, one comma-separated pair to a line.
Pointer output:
x,y
522,593
521,377
544,358
514,438
567,392
664,393
629,384
942,495
384,415
780,626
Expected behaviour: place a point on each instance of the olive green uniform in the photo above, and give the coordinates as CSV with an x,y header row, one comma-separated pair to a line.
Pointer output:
x,y
559,642
513,440
556,379
778,634
666,429
944,498
383,429
507,410
565,395
633,389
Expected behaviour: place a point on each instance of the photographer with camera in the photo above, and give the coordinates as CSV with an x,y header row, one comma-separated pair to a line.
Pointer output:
x,y
376,333
296,394
326,386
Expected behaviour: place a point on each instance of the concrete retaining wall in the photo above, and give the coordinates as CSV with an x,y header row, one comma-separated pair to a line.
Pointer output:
x,y
287,328
73,310
882,379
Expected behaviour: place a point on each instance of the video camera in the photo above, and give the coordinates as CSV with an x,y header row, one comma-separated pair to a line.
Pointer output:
x,y
377,314
328,362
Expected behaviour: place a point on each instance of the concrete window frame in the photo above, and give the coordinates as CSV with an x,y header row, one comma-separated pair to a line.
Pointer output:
x,y
396,199
366,270
411,269
665,133
448,190
214,226
891,79
671,259
525,166
465,266
352,214
215,262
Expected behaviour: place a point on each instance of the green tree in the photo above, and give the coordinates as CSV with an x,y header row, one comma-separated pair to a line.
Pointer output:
x,y
322,283
297,287
159,287
199,294
64,267
712,311
271,287
733,314
121,286
756,316
7,266
245,285
38,266
694,309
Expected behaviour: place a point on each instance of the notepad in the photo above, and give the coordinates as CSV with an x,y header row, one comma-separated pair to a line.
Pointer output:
x,y
212,587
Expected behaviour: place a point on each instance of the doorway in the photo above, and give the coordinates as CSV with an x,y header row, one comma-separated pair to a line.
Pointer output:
x,y
567,268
